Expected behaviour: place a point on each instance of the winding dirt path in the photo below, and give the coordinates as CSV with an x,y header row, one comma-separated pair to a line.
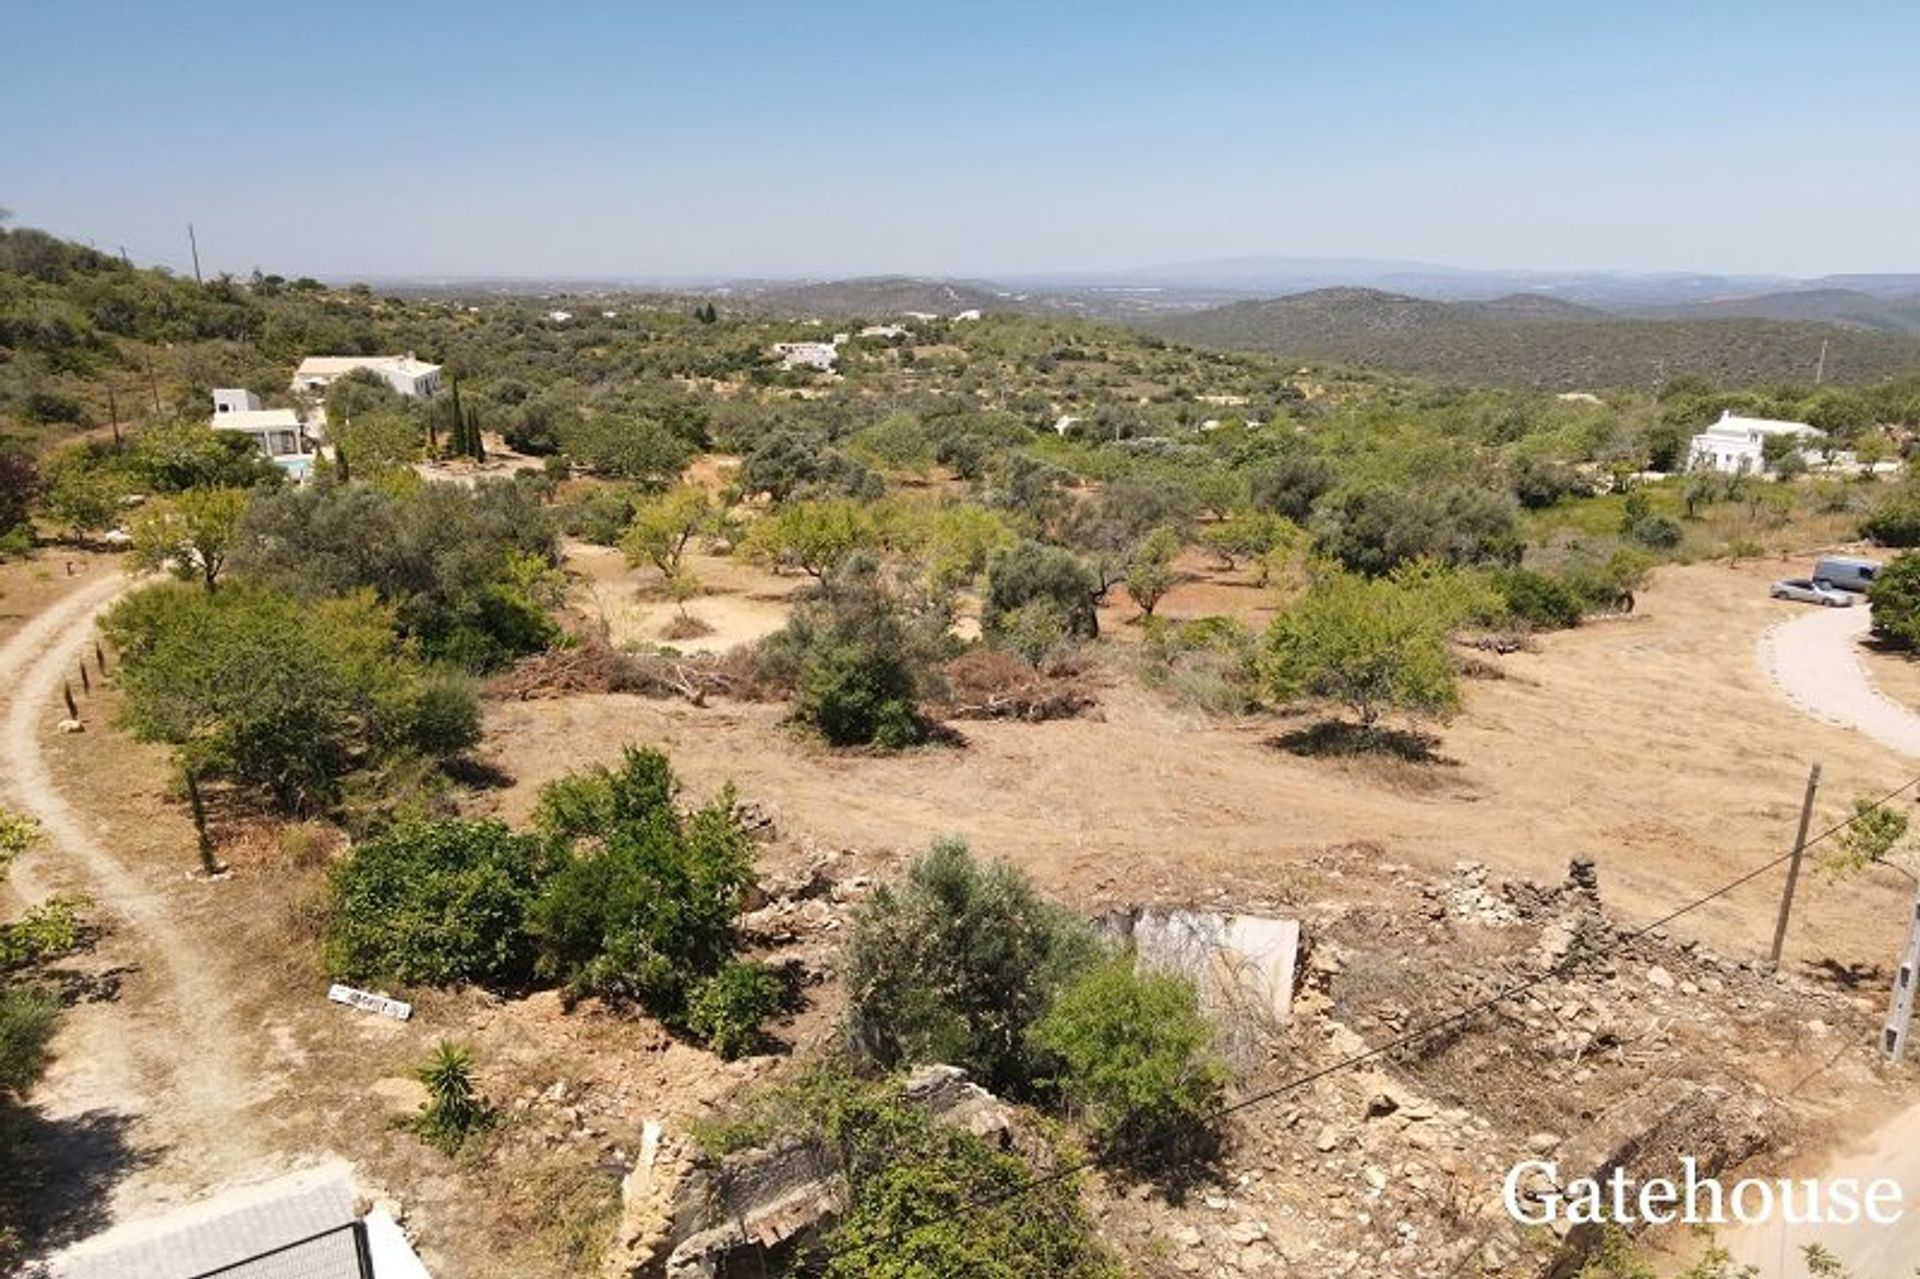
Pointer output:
x,y
163,1065
1814,662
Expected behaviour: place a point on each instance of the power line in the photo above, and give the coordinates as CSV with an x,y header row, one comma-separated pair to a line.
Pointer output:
x,y
1298,1082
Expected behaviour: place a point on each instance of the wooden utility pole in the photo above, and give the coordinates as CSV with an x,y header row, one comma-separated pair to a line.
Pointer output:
x,y
113,412
153,382
1793,870
1905,976
195,244
1820,369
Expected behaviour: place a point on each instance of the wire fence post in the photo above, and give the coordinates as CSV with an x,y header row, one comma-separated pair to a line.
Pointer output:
x,y
1906,975
1793,871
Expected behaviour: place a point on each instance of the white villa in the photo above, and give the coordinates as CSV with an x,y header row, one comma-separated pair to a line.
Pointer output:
x,y
1733,444
402,372
280,433
810,355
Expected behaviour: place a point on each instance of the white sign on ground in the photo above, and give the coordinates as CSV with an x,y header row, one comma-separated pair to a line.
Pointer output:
x,y
367,1001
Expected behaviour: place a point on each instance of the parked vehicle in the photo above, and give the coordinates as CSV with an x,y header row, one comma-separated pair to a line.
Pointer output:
x,y
1845,571
1811,590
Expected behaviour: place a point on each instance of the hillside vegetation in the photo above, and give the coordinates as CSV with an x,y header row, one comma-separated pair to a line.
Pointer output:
x,y
1545,343
1847,307
880,297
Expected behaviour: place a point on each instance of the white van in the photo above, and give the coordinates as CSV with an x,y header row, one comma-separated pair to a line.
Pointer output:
x,y
1846,572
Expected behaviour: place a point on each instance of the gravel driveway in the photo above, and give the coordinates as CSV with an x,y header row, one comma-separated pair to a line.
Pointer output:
x,y
1814,660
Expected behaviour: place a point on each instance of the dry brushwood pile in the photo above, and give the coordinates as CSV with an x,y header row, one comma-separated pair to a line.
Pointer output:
x,y
594,666
988,684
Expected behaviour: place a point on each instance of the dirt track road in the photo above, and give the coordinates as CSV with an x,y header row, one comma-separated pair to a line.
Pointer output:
x,y
1870,1251
161,1065
1813,660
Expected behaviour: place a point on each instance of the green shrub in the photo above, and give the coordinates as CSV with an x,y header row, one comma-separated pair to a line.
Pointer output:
x,y
1895,599
1542,602
855,695
1656,532
646,912
955,964
859,653
331,689
1210,663
1034,573
468,573
1373,645
437,904
1134,1059
922,1198
27,1019
1895,519
48,930
728,1008
938,1200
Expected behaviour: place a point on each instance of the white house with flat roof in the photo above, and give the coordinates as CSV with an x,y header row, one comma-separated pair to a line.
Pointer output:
x,y
401,372
280,433
1734,444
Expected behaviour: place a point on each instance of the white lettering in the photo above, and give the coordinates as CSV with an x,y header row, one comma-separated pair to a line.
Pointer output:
x,y
1745,1215
1533,1196
1844,1196
1885,1192
1510,1193
1657,1198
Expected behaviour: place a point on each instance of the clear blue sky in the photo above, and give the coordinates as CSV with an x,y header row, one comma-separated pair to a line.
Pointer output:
x,y
991,136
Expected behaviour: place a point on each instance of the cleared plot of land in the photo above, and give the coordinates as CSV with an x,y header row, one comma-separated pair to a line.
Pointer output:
x,y
1653,744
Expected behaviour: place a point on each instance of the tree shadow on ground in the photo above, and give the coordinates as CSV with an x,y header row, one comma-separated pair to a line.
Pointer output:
x,y
1847,976
1339,739
478,774
57,1176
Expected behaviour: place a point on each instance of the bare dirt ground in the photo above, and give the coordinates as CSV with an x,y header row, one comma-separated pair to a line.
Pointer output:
x,y
742,603
1652,743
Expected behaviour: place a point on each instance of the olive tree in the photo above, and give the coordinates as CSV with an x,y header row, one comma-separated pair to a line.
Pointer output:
x,y
1371,645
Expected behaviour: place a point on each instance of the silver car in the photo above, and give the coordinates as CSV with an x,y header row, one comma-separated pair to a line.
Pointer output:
x,y
1812,590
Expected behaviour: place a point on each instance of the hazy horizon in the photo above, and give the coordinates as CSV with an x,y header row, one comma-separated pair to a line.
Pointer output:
x,y
602,142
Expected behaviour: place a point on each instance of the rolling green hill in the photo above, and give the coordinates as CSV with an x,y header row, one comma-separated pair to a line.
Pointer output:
x,y
1846,307
1541,343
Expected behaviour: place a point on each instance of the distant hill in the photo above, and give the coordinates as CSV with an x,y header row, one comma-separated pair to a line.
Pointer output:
x,y
1848,307
880,297
1322,318
1532,341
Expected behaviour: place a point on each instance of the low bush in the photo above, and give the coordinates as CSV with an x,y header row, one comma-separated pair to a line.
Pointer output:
x,y
1134,1060
332,691
454,1110
1033,573
859,655
644,903
1895,599
856,694
1542,602
728,1009
1894,519
955,963
922,1198
437,904
1208,663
